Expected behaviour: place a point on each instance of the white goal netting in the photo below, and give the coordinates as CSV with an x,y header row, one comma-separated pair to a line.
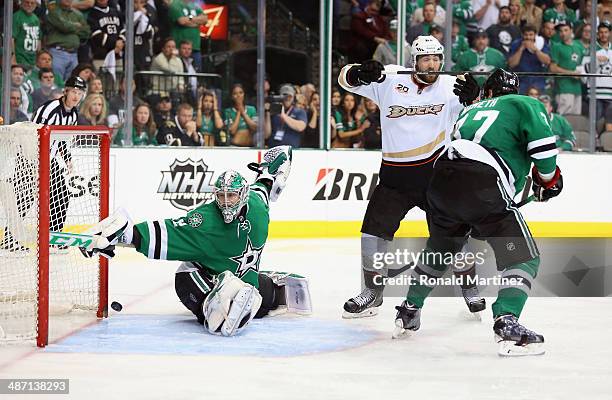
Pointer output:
x,y
73,172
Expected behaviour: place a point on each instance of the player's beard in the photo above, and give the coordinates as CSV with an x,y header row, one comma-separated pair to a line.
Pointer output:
x,y
429,78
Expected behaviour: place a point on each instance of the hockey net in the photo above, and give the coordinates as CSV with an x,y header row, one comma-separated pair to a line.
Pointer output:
x,y
51,179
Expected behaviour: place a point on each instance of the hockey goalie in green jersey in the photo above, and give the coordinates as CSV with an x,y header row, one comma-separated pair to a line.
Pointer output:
x,y
220,244
496,140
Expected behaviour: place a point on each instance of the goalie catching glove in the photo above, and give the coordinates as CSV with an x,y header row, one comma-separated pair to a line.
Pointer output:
x,y
117,228
274,170
230,305
545,190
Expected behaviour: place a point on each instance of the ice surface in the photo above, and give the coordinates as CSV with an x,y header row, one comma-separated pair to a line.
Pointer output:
x,y
154,350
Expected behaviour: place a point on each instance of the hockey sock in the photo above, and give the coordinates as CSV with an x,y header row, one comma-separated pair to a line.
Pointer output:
x,y
372,267
424,276
512,295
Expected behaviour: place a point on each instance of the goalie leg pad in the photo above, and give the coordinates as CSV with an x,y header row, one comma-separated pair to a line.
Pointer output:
x,y
230,306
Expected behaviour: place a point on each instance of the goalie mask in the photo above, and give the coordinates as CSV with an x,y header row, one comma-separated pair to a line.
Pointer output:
x,y
424,46
231,194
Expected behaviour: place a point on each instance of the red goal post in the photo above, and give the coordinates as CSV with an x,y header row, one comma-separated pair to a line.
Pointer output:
x,y
52,178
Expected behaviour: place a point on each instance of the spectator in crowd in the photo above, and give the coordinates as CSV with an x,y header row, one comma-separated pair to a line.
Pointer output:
x,y
163,109
44,59
583,34
187,17
300,101
113,61
584,16
18,81
15,113
116,105
105,30
93,111
531,15
66,29
209,120
463,16
85,71
95,86
307,90
26,34
144,34
185,52
460,43
560,13
386,52
286,127
480,57
527,57
240,119
516,8
144,129
369,29
486,12
502,34
533,91
439,14
429,12
437,32
310,137
547,33
44,92
167,62
372,134
182,131
336,98
566,56
559,126
603,85
349,129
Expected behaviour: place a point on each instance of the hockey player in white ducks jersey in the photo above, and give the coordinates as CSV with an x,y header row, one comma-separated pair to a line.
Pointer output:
x,y
417,114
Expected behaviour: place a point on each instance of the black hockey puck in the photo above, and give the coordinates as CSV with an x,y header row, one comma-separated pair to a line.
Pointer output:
x,y
116,306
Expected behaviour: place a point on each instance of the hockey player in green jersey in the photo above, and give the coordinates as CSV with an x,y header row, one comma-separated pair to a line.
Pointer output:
x,y
220,244
470,194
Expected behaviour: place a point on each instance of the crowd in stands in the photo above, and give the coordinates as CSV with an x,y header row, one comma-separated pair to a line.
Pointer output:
x,y
55,39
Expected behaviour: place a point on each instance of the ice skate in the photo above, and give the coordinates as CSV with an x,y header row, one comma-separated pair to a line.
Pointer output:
x,y
407,320
474,301
365,304
516,340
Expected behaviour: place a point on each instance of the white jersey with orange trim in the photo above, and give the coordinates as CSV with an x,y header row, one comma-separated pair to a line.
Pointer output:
x,y
415,123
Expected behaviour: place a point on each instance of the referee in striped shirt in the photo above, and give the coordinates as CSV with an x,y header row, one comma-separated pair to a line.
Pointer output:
x,y
62,111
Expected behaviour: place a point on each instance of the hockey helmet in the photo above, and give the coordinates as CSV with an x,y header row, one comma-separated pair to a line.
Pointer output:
x,y
501,82
426,45
231,194
76,82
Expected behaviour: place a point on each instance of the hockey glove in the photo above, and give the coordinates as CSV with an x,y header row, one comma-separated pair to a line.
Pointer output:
x,y
107,233
543,191
366,73
467,89
274,170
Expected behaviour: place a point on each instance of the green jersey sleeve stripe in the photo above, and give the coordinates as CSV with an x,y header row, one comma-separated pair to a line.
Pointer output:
x,y
540,142
152,239
163,255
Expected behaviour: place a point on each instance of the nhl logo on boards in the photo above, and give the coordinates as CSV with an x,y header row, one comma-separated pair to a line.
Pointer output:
x,y
187,184
195,220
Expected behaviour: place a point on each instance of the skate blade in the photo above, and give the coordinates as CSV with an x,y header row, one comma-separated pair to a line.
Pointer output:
x,y
400,333
508,348
369,312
